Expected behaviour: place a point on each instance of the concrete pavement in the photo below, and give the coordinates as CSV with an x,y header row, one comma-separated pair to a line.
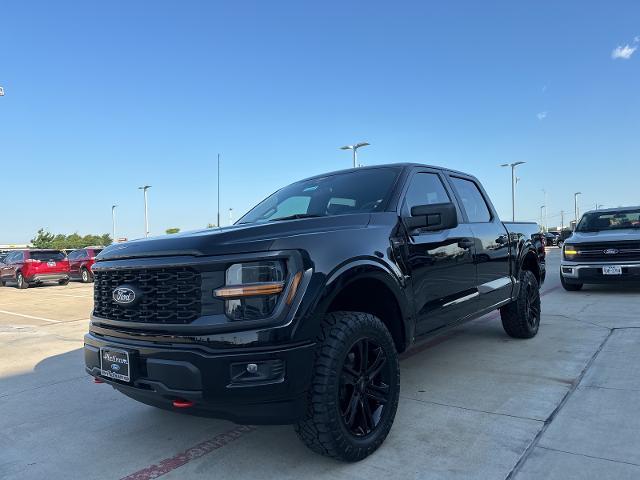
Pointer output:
x,y
476,404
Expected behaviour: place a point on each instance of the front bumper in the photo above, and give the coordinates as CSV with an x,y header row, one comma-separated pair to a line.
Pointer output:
x,y
215,381
574,272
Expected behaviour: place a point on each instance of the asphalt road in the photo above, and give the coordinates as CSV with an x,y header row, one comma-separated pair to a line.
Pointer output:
x,y
474,403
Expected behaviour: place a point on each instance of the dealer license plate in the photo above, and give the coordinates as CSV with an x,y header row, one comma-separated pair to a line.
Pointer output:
x,y
114,363
612,270
51,264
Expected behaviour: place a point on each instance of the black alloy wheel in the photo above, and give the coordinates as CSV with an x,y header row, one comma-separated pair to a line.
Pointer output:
x,y
355,386
364,390
521,318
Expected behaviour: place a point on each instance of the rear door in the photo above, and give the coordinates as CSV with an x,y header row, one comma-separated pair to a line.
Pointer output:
x,y
490,236
74,262
440,263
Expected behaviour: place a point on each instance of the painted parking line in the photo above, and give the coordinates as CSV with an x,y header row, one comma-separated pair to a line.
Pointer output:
x,y
203,448
30,316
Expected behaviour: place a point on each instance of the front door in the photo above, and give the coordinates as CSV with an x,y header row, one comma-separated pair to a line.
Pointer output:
x,y
440,263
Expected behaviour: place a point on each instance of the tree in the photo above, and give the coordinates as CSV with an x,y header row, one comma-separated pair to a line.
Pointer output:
x,y
46,239
171,231
43,239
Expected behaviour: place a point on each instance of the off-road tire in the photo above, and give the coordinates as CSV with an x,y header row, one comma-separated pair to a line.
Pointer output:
x,y
324,429
21,283
85,276
570,287
521,319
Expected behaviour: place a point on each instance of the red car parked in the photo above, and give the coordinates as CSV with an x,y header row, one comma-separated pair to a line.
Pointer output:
x,y
80,263
25,267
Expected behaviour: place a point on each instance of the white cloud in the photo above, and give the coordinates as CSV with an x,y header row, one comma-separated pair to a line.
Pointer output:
x,y
623,52
541,115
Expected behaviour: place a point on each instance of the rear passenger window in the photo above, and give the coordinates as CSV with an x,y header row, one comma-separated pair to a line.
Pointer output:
x,y
425,189
472,200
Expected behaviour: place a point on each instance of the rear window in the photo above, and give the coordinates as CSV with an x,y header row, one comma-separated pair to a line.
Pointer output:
x,y
96,251
52,256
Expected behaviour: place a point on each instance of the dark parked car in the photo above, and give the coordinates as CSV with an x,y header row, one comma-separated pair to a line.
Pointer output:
x,y
605,248
26,267
551,239
81,261
297,313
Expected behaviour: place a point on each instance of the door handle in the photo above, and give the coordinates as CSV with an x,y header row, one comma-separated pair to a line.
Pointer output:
x,y
466,243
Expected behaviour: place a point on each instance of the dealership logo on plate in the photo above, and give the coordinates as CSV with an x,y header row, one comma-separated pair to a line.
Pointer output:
x,y
611,251
124,295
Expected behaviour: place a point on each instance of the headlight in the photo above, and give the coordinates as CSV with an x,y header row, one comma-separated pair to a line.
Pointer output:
x,y
569,251
252,289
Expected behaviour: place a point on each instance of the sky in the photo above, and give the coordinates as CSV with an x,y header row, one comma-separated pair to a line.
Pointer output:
x,y
102,97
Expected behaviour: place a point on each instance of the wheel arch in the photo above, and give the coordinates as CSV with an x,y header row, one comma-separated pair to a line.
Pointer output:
x,y
369,287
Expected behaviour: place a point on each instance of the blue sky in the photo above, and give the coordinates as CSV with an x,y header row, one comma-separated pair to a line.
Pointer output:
x,y
101,97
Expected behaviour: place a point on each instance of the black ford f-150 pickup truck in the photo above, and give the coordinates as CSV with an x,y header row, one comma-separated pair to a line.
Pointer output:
x,y
297,313
605,249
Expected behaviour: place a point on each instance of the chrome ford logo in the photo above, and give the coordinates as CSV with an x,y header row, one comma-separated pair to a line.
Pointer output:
x,y
115,367
611,251
124,295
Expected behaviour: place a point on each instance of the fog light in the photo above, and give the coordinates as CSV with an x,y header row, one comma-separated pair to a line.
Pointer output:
x,y
268,371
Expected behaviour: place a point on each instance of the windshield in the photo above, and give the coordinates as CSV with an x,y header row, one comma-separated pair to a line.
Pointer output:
x,y
360,191
610,220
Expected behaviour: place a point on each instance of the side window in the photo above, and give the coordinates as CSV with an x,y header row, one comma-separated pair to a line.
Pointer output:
x,y
10,258
472,200
425,189
72,255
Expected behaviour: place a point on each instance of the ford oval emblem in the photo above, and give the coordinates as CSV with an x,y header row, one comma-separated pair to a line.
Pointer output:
x,y
611,251
115,367
124,295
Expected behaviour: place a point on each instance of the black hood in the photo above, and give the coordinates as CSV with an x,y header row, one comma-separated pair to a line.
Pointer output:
x,y
230,240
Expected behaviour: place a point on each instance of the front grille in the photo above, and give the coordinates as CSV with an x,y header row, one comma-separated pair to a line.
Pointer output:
x,y
627,251
168,295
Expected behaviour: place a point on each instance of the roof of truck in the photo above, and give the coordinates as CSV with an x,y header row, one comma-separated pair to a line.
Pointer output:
x,y
393,165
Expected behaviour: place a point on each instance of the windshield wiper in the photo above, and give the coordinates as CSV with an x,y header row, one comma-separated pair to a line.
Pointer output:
x,y
297,216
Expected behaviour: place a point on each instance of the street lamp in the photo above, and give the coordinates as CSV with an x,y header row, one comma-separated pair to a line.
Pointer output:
x,y
355,151
513,187
113,221
542,209
1,92
575,207
146,216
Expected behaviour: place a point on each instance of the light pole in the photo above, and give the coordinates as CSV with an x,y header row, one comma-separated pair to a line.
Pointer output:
x,y
561,221
575,207
546,210
542,208
355,151
146,213
230,216
1,92
513,187
218,191
113,221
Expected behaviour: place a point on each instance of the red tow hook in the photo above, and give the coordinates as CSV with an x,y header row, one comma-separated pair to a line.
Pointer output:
x,y
97,380
182,403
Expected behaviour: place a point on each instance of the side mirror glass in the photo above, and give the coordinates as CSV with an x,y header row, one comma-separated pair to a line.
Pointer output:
x,y
434,217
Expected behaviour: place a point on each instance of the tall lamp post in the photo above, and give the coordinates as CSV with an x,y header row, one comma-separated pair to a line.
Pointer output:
x,y
113,221
513,187
218,191
575,207
355,151
542,209
146,212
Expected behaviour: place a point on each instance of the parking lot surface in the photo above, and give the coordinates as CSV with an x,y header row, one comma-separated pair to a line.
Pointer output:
x,y
474,403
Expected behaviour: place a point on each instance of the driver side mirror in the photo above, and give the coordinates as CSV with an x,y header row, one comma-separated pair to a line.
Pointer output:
x,y
434,217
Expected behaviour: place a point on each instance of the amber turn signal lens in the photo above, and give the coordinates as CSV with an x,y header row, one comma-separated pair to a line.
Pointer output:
x,y
255,290
294,287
